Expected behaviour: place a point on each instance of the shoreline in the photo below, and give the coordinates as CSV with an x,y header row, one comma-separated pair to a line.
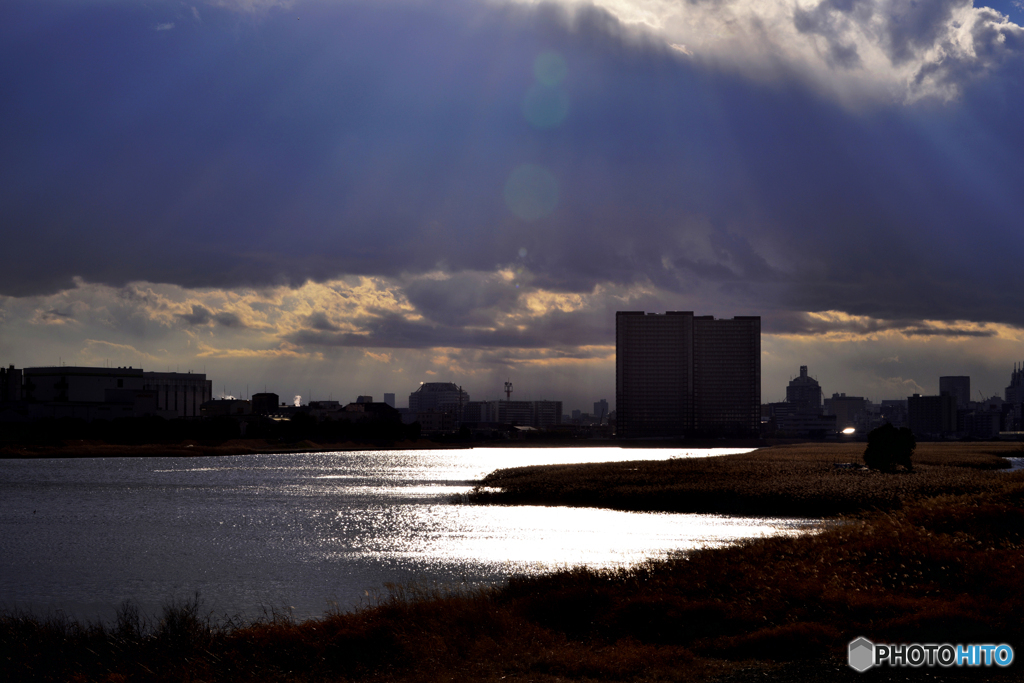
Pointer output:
x,y
939,568
797,480
83,448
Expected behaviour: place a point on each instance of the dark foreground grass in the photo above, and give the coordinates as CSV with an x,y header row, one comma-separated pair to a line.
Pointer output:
x,y
800,480
941,569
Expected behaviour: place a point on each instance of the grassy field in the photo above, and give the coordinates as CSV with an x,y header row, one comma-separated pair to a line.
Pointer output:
x,y
941,568
800,480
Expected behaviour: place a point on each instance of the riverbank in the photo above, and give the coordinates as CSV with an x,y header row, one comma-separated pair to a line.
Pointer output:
x,y
82,448
797,480
85,448
944,567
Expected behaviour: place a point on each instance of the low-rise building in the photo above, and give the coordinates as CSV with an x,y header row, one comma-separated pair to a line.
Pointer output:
x,y
225,406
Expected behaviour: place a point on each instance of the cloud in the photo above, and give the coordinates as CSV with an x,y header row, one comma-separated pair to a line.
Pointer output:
x,y
839,325
98,350
200,315
54,317
463,299
165,27
320,321
342,180
850,49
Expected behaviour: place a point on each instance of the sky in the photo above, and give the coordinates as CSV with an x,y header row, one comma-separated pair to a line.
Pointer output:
x,y
331,198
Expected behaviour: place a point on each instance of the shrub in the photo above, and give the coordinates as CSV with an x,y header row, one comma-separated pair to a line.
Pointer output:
x,y
889,448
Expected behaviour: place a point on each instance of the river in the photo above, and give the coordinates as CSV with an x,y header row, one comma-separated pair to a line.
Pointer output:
x,y
307,533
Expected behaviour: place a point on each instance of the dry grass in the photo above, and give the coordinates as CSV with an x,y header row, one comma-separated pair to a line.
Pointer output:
x,y
796,480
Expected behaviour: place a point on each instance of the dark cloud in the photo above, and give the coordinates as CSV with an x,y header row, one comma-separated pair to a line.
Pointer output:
x,y
320,322
911,26
200,315
464,299
378,138
804,324
557,330
53,315
228,319
822,21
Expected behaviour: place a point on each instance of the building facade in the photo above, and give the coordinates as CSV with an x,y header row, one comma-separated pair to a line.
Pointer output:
x,y
848,410
801,413
959,387
179,394
931,415
265,403
679,374
804,391
10,385
68,383
437,396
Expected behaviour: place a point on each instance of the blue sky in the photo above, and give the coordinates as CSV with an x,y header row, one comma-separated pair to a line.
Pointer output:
x,y
348,197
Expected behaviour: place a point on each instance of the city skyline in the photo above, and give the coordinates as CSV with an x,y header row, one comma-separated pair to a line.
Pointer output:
x,y
323,197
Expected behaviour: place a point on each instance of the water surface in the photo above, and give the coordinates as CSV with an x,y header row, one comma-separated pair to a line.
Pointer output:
x,y
307,532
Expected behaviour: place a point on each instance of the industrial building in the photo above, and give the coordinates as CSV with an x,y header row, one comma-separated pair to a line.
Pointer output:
x,y
178,394
676,374
91,393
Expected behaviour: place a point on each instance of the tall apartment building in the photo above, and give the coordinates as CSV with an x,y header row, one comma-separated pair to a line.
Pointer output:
x,y
959,387
676,373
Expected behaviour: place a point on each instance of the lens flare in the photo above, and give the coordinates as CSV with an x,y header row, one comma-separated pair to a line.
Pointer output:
x,y
549,68
531,192
545,106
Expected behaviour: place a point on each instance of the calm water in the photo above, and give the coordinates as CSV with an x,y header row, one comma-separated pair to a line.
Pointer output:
x,y
306,533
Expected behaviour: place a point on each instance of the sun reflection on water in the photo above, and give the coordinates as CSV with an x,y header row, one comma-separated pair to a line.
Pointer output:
x,y
310,529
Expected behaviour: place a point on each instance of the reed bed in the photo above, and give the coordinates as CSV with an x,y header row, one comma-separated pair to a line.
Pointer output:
x,y
803,480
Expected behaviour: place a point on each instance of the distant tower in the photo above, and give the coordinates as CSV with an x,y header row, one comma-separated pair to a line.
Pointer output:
x,y
389,399
804,391
676,373
508,391
959,387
